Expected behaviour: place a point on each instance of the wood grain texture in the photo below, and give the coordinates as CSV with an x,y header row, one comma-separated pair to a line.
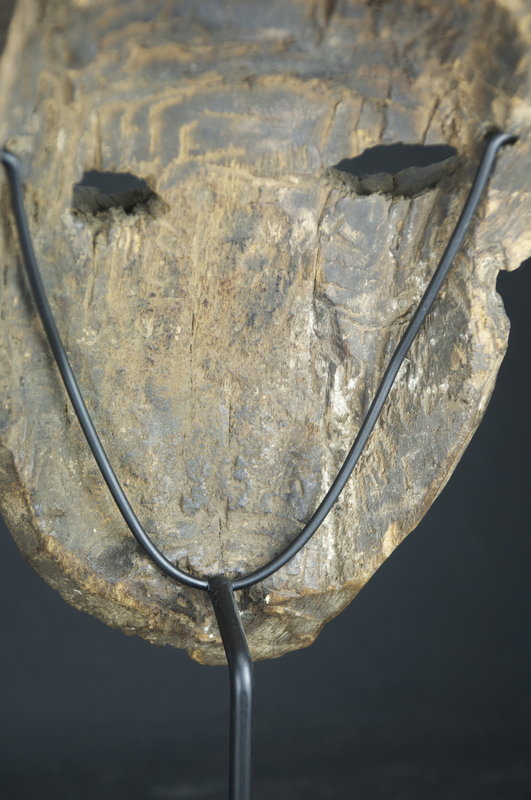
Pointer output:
x,y
230,329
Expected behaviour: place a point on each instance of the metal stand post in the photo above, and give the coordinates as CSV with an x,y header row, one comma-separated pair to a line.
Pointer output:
x,y
241,686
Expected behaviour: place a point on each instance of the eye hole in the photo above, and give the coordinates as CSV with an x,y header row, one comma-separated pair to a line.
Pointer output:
x,y
100,191
399,169
393,158
6,12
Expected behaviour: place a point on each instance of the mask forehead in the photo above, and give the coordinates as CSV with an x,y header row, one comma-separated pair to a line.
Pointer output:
x,y
230,332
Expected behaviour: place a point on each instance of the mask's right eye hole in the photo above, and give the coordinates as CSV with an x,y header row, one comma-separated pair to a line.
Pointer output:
x,y
100,191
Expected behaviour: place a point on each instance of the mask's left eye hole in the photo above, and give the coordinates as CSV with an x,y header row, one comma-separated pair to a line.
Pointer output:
x,y
398,169
100,191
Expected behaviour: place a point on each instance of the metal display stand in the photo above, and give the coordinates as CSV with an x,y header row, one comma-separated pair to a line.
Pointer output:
x,y
220,588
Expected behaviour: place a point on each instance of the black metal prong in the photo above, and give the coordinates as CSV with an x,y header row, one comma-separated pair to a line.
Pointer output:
x,y
241,686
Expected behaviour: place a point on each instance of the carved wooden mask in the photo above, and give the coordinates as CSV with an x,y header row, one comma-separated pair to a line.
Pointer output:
x,y
230,322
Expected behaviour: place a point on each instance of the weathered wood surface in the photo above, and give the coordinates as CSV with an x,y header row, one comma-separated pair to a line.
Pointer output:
x,y
230,330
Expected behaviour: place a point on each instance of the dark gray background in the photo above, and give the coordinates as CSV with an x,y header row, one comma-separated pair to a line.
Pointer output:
x,y
421,689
